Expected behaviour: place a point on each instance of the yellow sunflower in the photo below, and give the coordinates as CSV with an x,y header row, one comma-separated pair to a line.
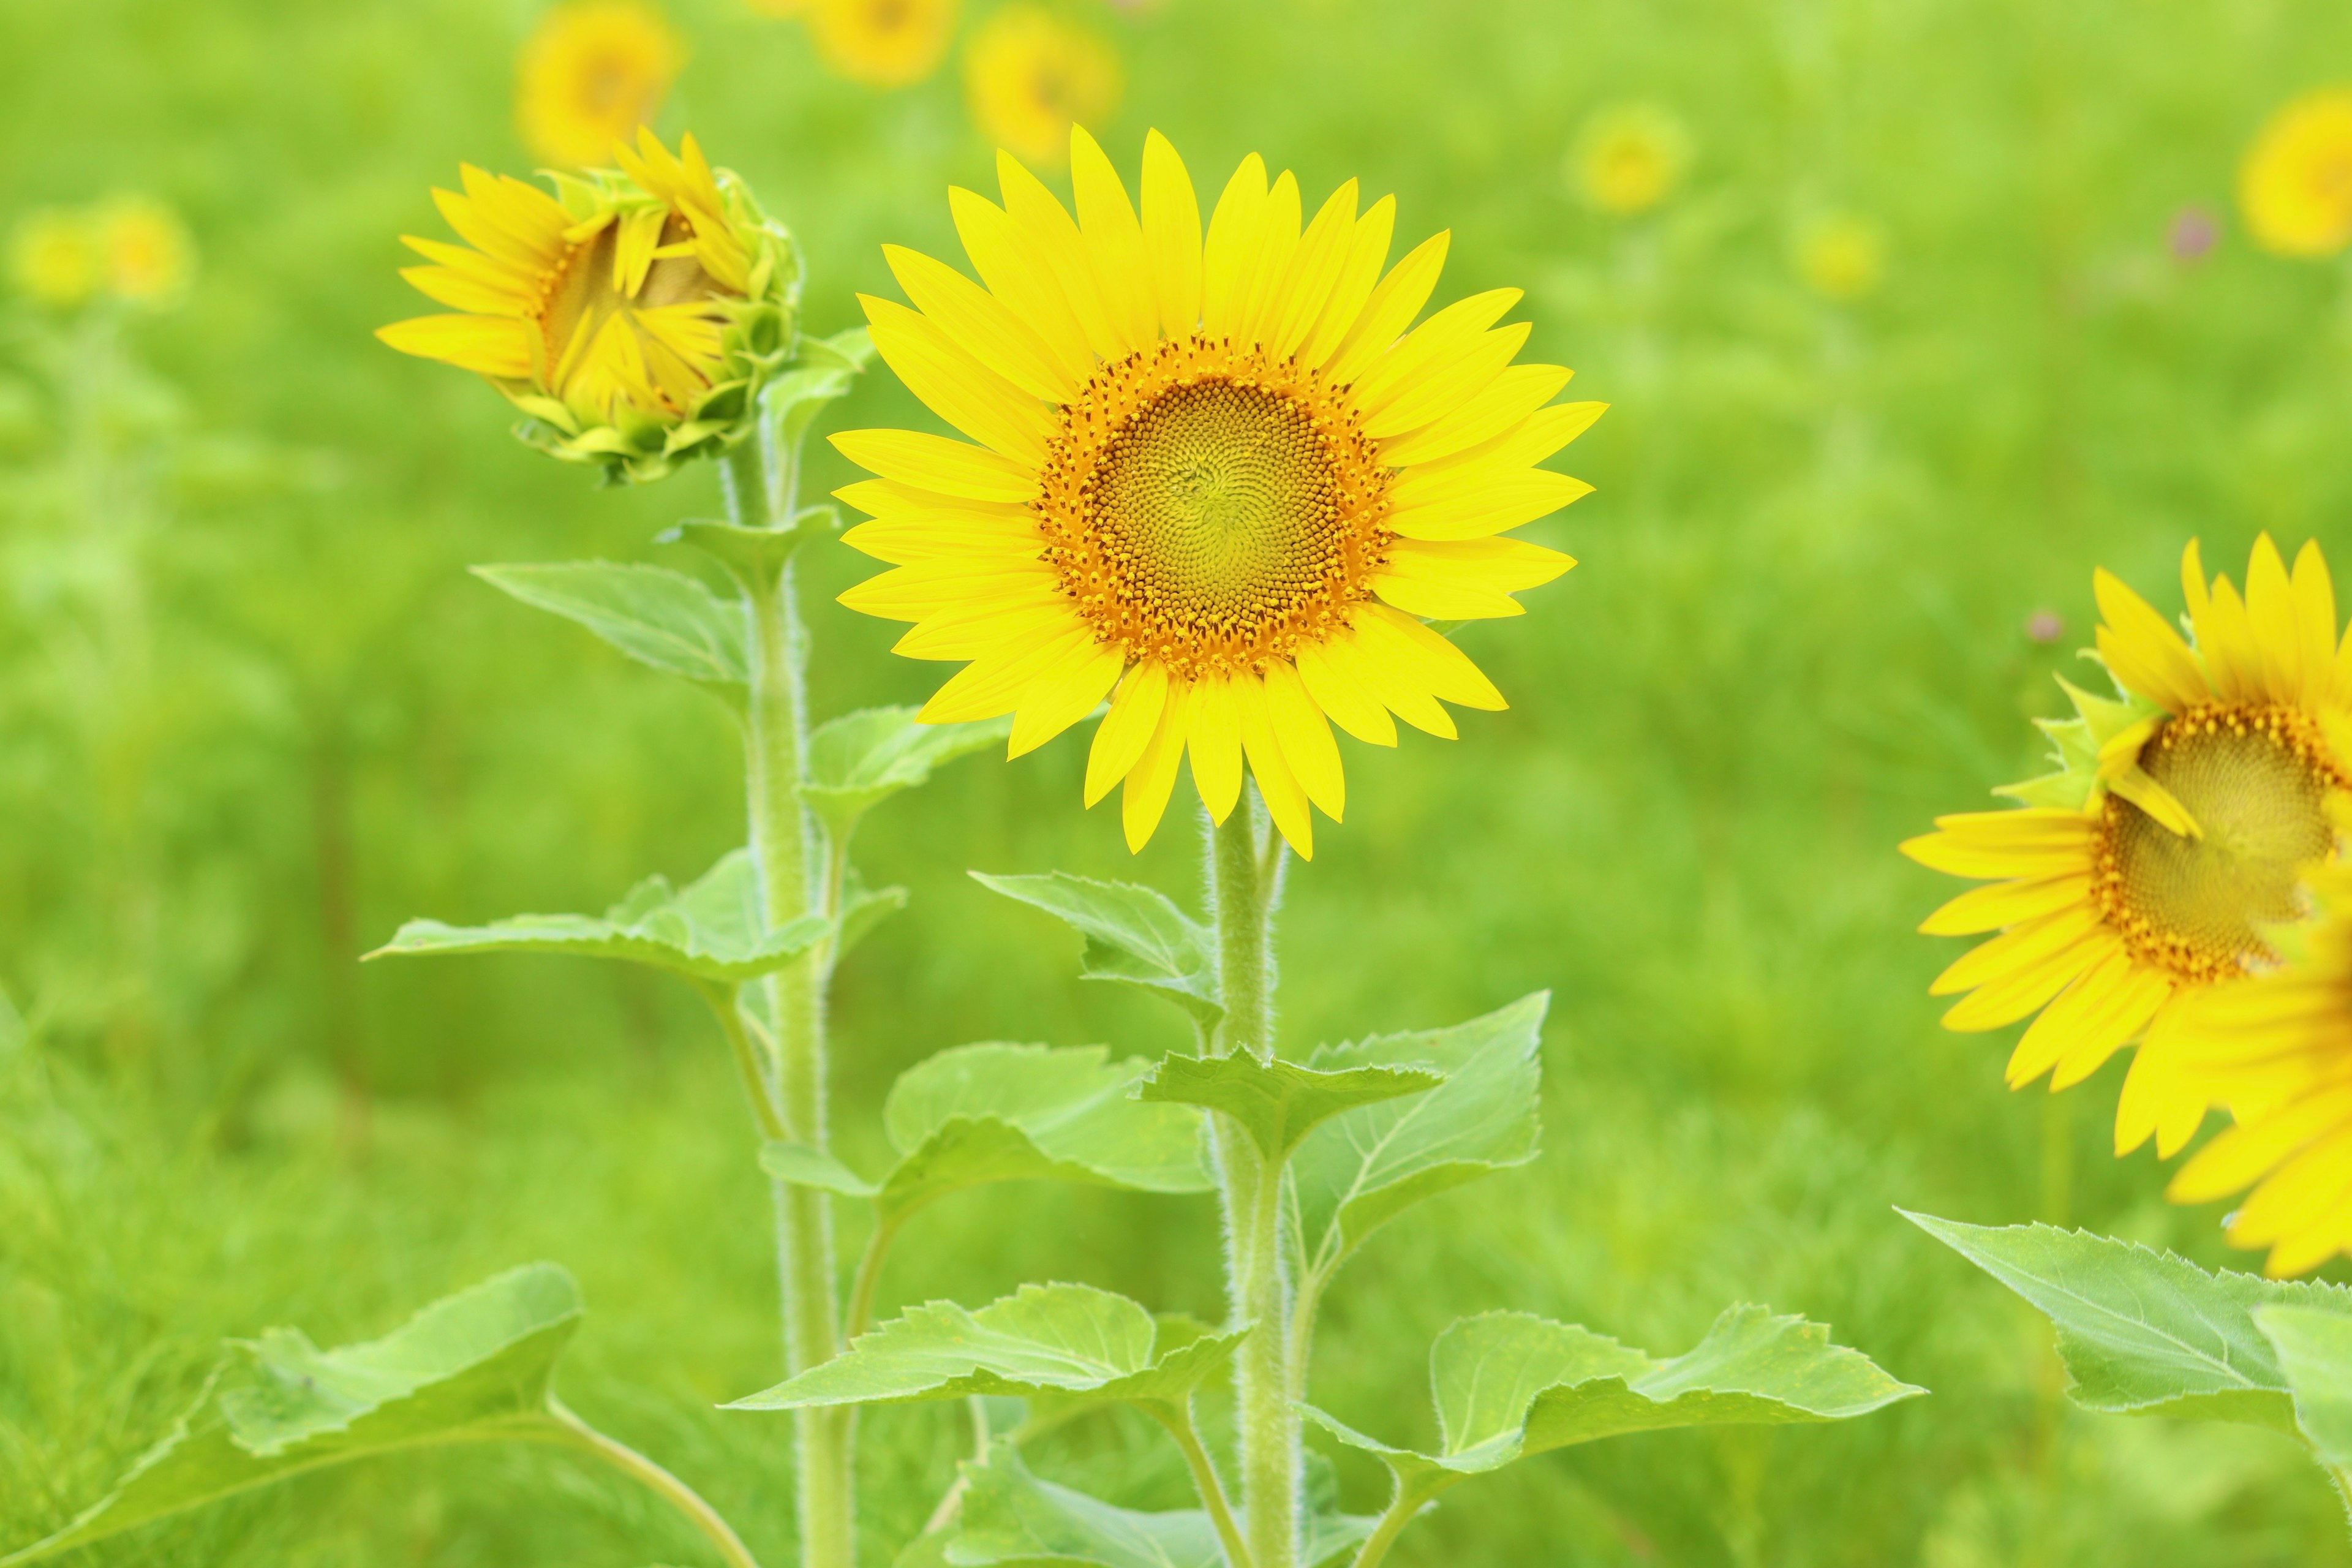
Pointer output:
x,y
1841,256
1629,158
58,256
634,315
2295,185
883,43
2146,870
149,257
591,74
1217,480
1030,76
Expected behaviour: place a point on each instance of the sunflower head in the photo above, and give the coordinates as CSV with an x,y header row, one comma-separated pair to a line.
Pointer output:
x,y
593,72
1629,158
56,257
149,257
634,315
2157,861
2295,185
882,43
1215,475
1841,255
1030,76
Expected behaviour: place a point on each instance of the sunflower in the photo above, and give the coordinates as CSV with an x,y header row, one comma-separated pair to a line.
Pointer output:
x,y
634,315
1030,76
883,43
2295,185
591,74
1629,158
56,257
2146,870
1217,480
149,257
1841,256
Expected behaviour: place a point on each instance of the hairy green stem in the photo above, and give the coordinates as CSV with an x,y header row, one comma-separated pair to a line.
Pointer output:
x,y
1178,1419
870,1275
578,1434
1402,1509
1243,872
749,1063
759,484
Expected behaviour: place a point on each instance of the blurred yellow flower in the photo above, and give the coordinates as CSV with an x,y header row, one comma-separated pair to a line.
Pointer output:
x,y
593,72
149,257
1629,158
1030,76
55,256
780,8
883,43
634,315
2295,185
1841,256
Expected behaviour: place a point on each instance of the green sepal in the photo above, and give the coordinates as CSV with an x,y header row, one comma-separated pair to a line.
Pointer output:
x,y
2144,1332
657,616
1055,1340
1278,1103
860,760
472,1366
713,930
1135,936
1508,1385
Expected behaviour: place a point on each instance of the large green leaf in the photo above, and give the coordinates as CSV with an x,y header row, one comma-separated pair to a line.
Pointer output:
x,y
1134,935
1044,1339
2143,1333
1277,1103
473,1365
1362,1168
660,617
2314,1350
860,760
1509,1385
714,930
863,909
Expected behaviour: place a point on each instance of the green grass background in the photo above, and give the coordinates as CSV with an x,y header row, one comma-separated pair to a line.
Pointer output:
x,y
252,713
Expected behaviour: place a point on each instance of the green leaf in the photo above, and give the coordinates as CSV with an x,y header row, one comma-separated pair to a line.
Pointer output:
x,y
1362,1169
824,370
1134,935
657,616
2314,1350
1509,1385
714,930
2144,1332
863,909
1277,1103
862,759
1045,1339
806,1167
473,1365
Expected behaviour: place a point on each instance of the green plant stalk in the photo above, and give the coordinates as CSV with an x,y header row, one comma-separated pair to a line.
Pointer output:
x,y
1178,1420
2342,1476
573,1432
1251,1190
761,481
1402,1509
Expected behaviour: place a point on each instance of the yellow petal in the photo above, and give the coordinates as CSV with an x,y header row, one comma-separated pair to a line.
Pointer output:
x,y
1052,706
1171,233
981,324
1002,255
2314,614
891,499
1433,661
1306,739
1231,245
1368,247
2051,1036
1436,341
1390,310
2006,904
2012,996
2108,1024
2146,655
1499,406
1145,799
1276,785
1114,239
2021,947
1269,260
1054,240
935,463
1360,664
2242,1154
1120,739
988,689
1492,502
956,387
902,542
2271,618
1350,706
463,292
1448,381
1216,745
487,345
1314,272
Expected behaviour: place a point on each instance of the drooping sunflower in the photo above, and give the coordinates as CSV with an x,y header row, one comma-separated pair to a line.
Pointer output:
x,y
882,43
1030,76
2147,870
1217,480
634,315
593,72
2295,184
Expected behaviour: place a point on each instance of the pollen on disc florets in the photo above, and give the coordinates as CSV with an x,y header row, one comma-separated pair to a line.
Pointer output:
x,y
1210,508
2256,777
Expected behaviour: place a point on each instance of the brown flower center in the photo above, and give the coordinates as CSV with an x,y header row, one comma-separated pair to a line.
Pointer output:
x,y
580,295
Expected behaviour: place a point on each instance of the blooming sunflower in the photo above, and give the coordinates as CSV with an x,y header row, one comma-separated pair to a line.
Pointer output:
x,y
1841,256
1030,76
1629,158
56,257
1215,474
149,257
634,315
591,74
883,43
2295,185
2146,869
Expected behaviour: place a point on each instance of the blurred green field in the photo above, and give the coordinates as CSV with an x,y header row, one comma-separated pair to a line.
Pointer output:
x,y
252,713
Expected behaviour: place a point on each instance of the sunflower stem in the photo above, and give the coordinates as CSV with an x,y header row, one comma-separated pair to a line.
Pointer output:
x,y
1242,879
759,478
576,1432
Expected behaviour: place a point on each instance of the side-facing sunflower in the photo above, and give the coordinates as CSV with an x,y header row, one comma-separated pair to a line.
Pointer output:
x,y
1217,480
634,315
2146,870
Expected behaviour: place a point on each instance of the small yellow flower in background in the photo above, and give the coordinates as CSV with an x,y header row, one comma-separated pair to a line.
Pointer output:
x,y
149,257
1629,158
1216,480
634,315
883,43
593,72
2295,185
1841,256
2155,865
56,257
1030,76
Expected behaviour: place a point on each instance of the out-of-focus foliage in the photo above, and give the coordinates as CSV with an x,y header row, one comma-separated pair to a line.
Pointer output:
x,y
254,713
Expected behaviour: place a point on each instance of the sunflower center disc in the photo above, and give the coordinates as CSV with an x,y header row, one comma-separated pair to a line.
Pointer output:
x,y
2257,779
579,297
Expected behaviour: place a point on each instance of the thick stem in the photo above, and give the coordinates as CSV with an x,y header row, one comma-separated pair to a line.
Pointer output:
x,y
782,851
1242,879
1178,1419
668,1487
